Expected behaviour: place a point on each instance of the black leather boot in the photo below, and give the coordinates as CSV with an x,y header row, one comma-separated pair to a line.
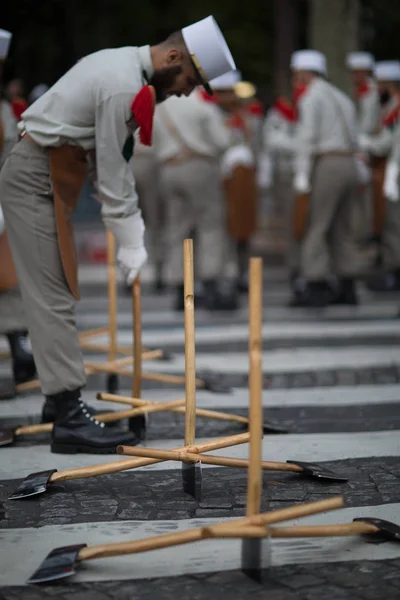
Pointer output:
x,y
345,293
218,298
75,430
49,411
316,294
23,364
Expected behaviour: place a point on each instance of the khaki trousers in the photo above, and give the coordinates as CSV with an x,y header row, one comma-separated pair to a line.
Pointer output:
x,y
194,201
12,315
27,202
391,237
146,173
329,247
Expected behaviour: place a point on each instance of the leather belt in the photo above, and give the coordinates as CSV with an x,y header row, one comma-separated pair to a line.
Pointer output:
x,y
336,153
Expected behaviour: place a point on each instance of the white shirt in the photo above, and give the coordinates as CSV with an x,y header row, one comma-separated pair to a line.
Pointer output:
x,y
9,128
90,107
369,109
200,126
327,123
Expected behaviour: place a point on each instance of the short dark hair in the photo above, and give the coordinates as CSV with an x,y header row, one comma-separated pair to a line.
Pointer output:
x,y
176,39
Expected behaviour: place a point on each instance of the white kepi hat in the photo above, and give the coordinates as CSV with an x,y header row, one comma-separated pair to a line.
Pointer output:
x,y
388,70
208,49
360,61
226,81
309,60
5,39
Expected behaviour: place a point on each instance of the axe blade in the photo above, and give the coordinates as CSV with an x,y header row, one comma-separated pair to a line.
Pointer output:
x,y
256,556
7,437
138,426
192,479
269,427
318,471
60,563
213,382
387,531
35,483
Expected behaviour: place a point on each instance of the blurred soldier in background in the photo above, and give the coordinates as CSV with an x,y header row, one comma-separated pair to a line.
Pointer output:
x,y
146,173
12,317
325,182
379,145
239,172
189,138
15,93
366,96
37,92
275,173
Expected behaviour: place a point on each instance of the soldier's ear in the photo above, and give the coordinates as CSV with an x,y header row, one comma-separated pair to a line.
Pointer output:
x,y
174,57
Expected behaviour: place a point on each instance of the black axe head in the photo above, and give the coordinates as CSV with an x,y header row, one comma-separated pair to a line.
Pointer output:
x,y
213,382
138,426
256,556
60,563
317,471
387,531
269,427
166,356
7,437
192,479
35,483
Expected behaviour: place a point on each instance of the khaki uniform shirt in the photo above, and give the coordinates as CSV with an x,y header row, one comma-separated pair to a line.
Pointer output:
x,y
327,123
189,124
90,107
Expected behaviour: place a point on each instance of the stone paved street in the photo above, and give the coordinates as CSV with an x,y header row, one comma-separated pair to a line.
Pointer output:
x,y
331,379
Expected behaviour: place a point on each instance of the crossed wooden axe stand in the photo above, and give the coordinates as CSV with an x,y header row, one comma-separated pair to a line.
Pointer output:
x,y
141,408
254,530
114,365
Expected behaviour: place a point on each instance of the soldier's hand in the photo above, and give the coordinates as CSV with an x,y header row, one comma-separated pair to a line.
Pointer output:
x,y
131,262
301,183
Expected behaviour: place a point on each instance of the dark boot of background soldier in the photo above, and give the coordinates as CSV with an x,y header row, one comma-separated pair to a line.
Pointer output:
x,y
345,292
222,296
159,283
23,364
388,282
76,430
299,290
317,294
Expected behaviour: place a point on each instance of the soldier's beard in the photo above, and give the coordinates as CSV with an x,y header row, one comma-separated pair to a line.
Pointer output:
x,y
163,81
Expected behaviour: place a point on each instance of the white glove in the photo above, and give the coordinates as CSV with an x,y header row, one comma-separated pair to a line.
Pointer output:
x,y
129,234
265,172
237,155
363,172
301,183
364,142
131,261
2,226
391,182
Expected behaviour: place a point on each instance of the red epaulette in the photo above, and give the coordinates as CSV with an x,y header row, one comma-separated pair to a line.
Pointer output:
x,y
362,90
285,109
142,108
393,117
18,105
255,108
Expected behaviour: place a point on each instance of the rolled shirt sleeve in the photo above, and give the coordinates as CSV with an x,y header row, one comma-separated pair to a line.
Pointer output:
x,y
115,181
306,136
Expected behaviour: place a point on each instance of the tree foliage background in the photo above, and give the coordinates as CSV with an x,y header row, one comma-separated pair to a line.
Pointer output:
x,y
51,35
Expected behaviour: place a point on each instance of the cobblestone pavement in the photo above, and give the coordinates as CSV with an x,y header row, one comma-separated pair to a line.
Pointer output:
x,y
353,399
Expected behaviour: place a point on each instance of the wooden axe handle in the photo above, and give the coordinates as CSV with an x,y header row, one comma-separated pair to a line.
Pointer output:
x,y
201,533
